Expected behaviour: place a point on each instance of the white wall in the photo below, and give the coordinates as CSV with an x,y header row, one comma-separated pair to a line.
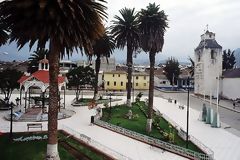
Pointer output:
x,y
231,88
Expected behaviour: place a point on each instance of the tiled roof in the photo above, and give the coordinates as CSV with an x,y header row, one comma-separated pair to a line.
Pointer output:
x,y
23,78
233,73
41,75
208,43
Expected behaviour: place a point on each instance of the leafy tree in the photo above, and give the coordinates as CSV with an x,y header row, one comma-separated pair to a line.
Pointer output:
x,y
35,58
103,47
228,59
152,27
125,32
65,25
79,77
9,81
172,70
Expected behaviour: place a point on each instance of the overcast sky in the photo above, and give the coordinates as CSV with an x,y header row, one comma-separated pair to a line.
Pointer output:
x,y
187,21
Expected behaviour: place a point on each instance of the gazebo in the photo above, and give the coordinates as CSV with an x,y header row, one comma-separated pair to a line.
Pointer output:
x,y
39,79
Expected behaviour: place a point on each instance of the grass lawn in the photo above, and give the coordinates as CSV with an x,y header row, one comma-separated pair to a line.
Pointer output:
x,y
81,148
118,117
31,150
36,150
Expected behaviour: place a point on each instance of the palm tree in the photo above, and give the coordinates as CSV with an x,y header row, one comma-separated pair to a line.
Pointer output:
x,y
3,35
191,68
66,25
125,32
152,26
103,47
35,58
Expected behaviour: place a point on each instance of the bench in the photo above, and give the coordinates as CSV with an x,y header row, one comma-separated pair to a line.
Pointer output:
x,y
34,125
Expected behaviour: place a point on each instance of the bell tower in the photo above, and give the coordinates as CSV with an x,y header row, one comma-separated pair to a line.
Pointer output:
x,y
208,65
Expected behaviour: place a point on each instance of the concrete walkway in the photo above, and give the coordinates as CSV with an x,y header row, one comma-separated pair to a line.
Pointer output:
x,y
80,123
224,144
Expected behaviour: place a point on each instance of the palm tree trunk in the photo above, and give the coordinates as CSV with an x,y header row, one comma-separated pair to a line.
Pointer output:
x,y
129,74
97,67
151,92
52,146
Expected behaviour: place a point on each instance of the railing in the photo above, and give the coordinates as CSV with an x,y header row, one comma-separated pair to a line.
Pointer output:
x,y
199,144
155,142
95,144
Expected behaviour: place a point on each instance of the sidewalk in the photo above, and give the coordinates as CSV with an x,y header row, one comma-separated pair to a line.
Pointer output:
x,y
224,144
227,104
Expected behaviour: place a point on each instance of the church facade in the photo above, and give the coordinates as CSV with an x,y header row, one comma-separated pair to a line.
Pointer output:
x,y
209,78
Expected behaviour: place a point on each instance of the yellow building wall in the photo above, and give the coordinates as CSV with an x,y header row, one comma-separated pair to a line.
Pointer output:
x,y
115,81
141,82
118,81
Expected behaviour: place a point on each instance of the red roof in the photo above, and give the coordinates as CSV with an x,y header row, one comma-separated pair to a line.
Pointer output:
x,y
23,78
41,75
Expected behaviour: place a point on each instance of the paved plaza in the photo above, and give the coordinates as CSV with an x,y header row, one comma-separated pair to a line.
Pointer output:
x,y
224,144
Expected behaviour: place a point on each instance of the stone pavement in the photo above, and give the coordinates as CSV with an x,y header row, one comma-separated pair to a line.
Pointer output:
x,y
80,123
224,144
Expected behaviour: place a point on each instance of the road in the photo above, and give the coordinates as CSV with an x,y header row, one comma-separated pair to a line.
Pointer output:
x,y
228,117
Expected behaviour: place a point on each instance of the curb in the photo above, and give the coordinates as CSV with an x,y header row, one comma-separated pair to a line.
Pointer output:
x,y
231,109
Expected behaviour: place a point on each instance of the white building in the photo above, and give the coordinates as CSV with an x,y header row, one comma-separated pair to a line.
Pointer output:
x,y
65,66
230,85
208,65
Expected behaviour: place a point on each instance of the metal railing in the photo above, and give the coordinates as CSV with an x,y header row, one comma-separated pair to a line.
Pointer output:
x,y
194,140
95,144
155,142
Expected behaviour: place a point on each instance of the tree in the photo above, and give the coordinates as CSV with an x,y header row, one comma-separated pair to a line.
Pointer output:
x,y
65,25
3,34
125,32
35,58
103,47
192,66
172,70
228,59
79,77
9,81
152,27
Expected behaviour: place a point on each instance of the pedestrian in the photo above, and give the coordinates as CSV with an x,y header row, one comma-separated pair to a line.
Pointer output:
x,y
234,105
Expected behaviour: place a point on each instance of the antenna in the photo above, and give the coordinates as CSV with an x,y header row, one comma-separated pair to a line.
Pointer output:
x,y
207,27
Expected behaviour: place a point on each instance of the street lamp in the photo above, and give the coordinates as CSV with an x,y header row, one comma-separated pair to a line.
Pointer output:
x,y
110,98
188,81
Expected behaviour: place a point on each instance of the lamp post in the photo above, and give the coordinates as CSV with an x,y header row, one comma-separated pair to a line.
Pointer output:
x,y
11,119
110,99
133,87
188,81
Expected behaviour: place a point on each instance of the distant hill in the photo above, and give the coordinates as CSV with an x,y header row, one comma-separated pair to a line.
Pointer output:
x,y
237,56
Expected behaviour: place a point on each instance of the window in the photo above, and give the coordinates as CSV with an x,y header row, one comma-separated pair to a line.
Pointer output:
x,y
46,66
108,83
136,77
136,84
42,65
144,84
115,83
118,75
121,83
212,54
144,77
113,75
199,57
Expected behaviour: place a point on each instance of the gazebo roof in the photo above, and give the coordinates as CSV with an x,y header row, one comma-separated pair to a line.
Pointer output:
x,y
41,75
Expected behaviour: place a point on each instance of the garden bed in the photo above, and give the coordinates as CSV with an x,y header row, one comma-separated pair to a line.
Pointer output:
x,y
87,101
161,128
32,145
